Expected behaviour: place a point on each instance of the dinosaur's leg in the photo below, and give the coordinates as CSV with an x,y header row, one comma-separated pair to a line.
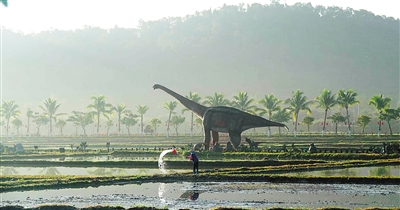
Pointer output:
x,y
207,139
235,139
215,137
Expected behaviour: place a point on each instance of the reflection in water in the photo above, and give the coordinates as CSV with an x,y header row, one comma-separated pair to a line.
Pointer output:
x,y
161,190
106,171
341,172
389,171
50,171
191,194
8,171
143,171
380,171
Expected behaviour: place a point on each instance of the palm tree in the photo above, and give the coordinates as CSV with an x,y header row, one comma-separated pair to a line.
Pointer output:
x,y
120,109
243,103
109,124
155,122
337,118
60,124
363,121
308,120
29,115
270,105
298,102
325,101
380,103
50,109
142,109
101,108
346,99
216,100
170,106
196,98
9,110
388,115
282,116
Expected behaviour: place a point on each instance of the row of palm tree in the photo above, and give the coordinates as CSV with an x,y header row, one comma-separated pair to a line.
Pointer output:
x,y
269,106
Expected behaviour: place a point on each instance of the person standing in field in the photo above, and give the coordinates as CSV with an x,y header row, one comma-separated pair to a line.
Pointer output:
x,y
193,157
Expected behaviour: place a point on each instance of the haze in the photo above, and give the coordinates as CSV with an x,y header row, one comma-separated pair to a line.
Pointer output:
x,y
71,52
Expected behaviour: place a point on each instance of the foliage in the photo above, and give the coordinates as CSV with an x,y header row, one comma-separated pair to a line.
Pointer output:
x,y
308,120
60,124
326,100
129,120
9,110
50,108
170,106
155,123
346,99
298,102
196,98
217,99
81,119
337,118
142,109
40,120
100,107
120,109
17,123
363,121
270,104
243,103
380,103
176,121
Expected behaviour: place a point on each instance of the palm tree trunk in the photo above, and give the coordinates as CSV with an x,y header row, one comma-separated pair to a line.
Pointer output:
x,y
98,123
390,127
348,121
119,125
27,129
51,126
169,118
323,127
295,125
379,128
141,123
8,122
336,129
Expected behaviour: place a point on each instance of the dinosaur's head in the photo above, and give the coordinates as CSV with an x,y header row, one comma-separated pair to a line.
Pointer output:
x,y
156,86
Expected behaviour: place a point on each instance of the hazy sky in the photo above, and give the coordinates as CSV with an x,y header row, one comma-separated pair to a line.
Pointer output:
x,y
35,16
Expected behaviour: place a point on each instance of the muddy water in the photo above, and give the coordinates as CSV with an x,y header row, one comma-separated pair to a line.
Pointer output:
x,y
206,195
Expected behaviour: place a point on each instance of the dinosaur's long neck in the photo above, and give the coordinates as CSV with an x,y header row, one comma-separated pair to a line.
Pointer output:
x,y
198,109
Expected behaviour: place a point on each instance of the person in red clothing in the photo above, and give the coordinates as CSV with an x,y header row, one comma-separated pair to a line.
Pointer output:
x,y
193,157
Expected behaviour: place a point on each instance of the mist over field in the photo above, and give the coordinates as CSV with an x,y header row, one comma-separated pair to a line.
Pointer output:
x,y
260,49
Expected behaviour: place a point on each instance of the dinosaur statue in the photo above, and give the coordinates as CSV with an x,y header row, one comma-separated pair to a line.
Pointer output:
x,y
221,119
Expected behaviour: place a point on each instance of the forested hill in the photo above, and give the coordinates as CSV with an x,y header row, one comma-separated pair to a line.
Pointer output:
x,y
261,49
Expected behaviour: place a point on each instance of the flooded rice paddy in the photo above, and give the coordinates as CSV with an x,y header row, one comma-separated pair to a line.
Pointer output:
x,y
384,171
203,195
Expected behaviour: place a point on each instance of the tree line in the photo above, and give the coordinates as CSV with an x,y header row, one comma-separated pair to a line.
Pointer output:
x,y
270,107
